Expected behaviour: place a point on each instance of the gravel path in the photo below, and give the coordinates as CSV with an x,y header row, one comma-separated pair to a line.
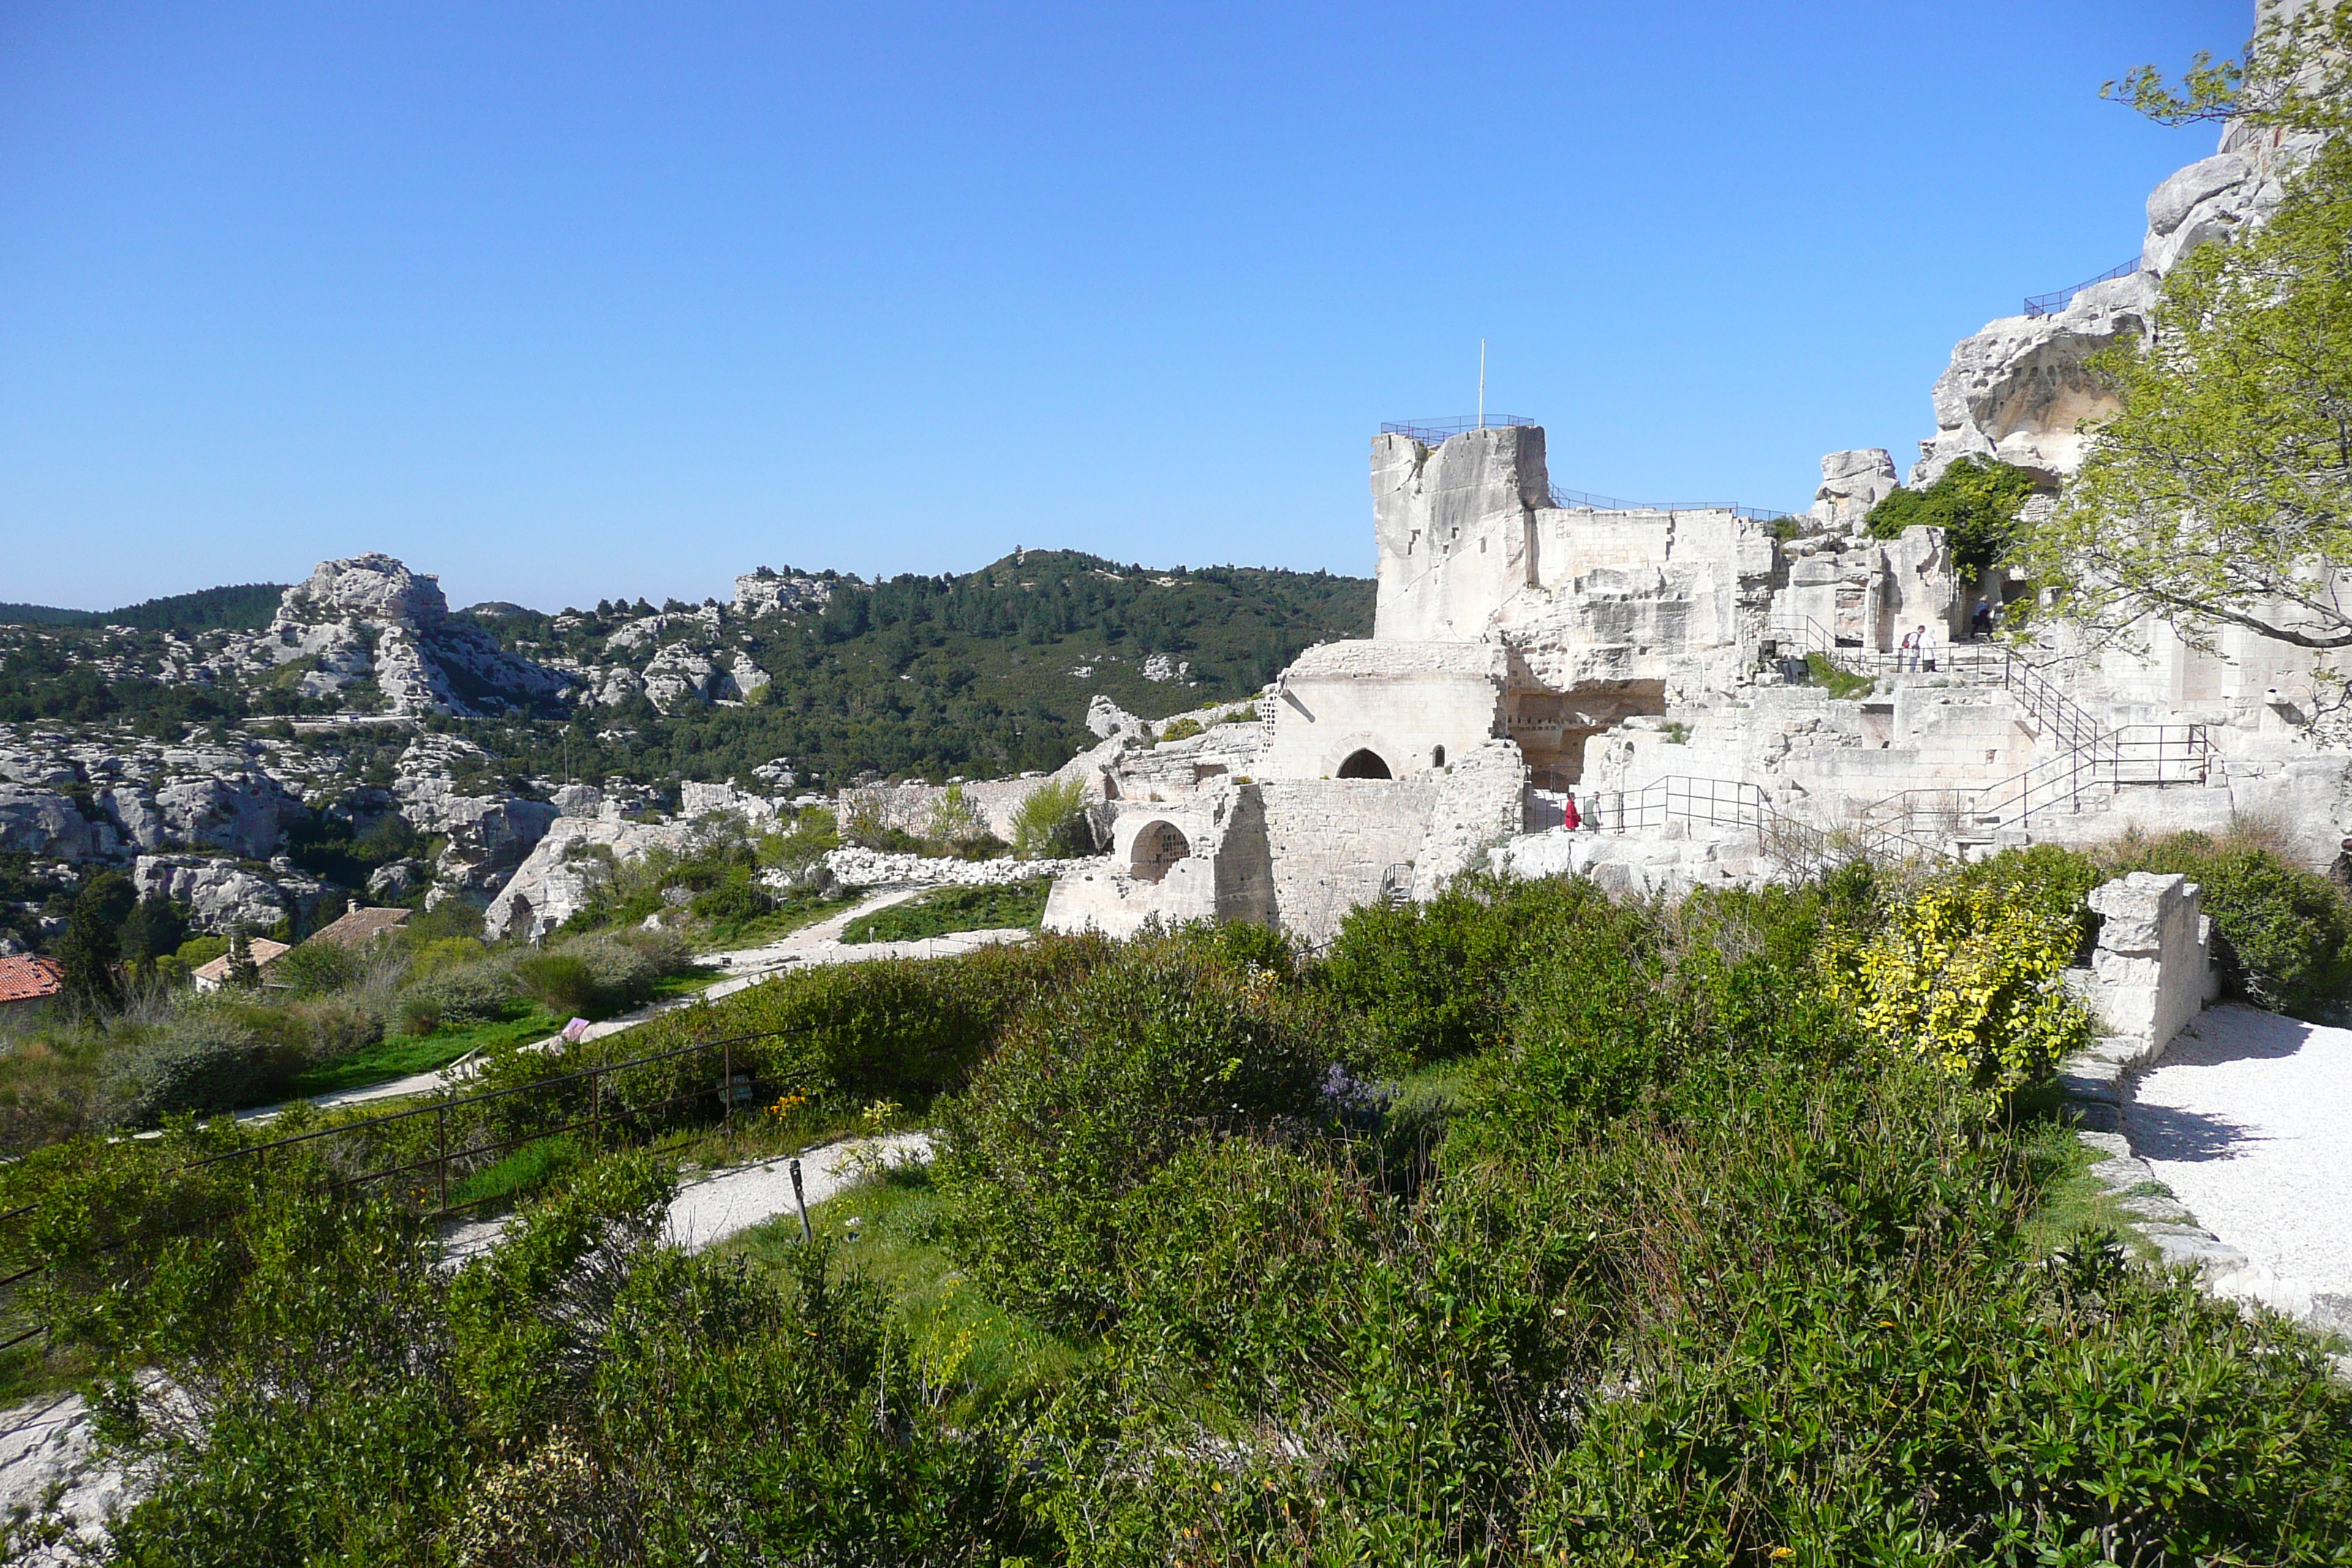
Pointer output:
x,y
2248,1121
710,1210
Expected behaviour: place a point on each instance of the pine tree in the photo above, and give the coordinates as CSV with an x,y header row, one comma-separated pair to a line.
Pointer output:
x,y
243,972
92,947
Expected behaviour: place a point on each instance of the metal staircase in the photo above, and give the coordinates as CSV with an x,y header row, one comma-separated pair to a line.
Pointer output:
x,y
2090,764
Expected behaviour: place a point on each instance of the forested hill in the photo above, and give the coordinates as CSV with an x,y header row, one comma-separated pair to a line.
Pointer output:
x,y
985,673
243,607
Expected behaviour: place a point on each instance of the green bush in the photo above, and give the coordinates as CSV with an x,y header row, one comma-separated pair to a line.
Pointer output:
x,y
2283,932
203,1062
562,982
736,900
1429,980
456,995
1094,1093
1050,823
1976,500
316,967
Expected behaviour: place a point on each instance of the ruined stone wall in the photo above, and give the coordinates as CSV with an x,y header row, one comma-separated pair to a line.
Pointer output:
x,y
910,808
1331,841
1415,706
1452,523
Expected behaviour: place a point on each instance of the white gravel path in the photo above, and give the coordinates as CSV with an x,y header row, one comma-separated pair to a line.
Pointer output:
x,y
2248,1121
708,1211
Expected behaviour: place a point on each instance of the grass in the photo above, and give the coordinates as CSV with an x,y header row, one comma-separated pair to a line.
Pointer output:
x,y
526,1170
400,1055
890,1228
762,930
1841,684
2073,1204
1013,904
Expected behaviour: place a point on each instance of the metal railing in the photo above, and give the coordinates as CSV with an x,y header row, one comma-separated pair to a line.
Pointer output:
x,y
584,1100
2051,304
1436,432
1571,500
2090,760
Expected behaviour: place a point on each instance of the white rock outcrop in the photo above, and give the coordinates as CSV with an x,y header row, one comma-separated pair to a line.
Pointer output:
x,y
371,616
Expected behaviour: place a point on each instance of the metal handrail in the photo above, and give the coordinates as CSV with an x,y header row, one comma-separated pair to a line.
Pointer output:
x,y
2051,303
1436,432
1571,500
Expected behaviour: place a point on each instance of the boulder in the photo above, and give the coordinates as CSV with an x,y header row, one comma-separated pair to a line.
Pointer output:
x,y
36,822
1852,483
221,894
398,881
1107,719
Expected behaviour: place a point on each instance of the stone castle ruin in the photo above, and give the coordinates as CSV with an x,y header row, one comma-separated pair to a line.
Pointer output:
x,y
1652,673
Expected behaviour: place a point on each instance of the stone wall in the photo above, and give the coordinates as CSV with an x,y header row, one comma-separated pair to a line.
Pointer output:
x,y
912,807
1332,841
1415,705
2152,971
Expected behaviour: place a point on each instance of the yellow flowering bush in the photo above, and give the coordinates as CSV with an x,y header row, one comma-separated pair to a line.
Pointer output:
x,y
1970,976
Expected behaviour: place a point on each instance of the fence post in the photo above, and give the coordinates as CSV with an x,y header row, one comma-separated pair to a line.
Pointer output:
x,y
441,1163
596,1104
726,1083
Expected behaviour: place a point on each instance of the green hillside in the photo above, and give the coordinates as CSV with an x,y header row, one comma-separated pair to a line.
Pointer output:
x,y
242,607
983,674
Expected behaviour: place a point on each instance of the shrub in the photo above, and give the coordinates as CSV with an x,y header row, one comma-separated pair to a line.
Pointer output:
x,y
1097,1089
445,952
1429,980
1977,501
206,1061
1968,976
559,982
314,967
458,995
734,901
2283,931
954,818
1182,729
799,846
1051,822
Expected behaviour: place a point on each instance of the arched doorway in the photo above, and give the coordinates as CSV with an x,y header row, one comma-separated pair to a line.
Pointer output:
x,y
1437,756
1364,765
1159,845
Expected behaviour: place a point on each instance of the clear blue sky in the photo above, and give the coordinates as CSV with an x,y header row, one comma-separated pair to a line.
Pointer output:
x,y
571,301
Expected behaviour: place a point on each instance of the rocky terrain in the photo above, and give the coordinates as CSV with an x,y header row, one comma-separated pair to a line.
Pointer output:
x,y
370,741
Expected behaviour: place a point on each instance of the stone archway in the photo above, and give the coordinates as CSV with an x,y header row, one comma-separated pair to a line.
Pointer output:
x,y
1366,763
1158,845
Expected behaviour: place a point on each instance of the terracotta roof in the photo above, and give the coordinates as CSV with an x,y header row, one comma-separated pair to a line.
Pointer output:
x,y
23,979
264,950
360,925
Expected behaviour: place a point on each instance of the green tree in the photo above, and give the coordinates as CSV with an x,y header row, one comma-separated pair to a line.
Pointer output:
x,y
154,929
2220,494
243,972
92,943
1976,501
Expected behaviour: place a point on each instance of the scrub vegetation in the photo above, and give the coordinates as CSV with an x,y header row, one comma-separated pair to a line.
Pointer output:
x,y
1523,1225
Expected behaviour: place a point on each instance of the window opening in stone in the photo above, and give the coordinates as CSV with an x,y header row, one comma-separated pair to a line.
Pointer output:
x,y
1437,757
1364,765
1159,845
